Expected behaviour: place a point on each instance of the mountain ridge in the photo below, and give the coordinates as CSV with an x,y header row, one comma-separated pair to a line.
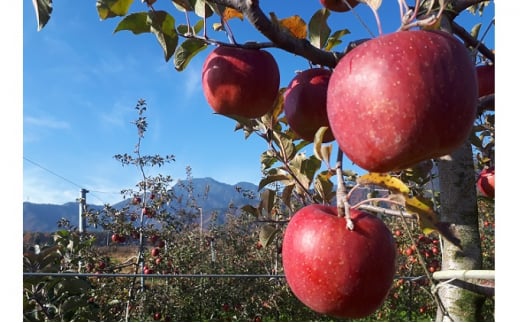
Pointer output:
x,y
209,194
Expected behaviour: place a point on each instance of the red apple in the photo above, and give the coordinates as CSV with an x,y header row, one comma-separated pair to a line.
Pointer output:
x,y
161,244
154,238
136,200
155,252
336,271
149,212
338,5
240,82
486,79
486,182
401,98
305,103
115,237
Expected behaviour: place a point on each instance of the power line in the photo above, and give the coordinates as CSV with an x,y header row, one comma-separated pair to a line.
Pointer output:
x,y
63,178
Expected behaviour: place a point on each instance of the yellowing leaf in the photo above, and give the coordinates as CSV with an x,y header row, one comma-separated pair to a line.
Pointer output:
x,y
295,25
387,181
230,13
429,219
374,4
112,8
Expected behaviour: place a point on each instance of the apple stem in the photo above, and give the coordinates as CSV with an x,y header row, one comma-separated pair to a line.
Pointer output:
x,y
429,20
348,218
361,20
378,20
342,194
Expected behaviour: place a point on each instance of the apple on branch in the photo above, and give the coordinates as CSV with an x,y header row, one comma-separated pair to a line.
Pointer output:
x,y
486,182
486,79
334,270
401,98
305,103
240,81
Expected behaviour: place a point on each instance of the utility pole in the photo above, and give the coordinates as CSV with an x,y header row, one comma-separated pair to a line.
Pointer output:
x,y
82,207
81,222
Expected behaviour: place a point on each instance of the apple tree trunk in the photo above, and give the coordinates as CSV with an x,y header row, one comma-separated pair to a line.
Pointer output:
x,y
459,208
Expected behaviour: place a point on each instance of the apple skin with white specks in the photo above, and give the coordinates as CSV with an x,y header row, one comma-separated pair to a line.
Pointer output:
x,y
336,271
401,98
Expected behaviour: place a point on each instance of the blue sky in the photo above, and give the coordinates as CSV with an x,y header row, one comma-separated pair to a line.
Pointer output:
x,y
81,83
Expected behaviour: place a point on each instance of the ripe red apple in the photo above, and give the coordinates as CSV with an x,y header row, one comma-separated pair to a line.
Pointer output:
x,y
486,79
401,98
115,237
154,238
161,244
338,5
155,252
336,271
239,81
486,182
136,200
305,103
149,212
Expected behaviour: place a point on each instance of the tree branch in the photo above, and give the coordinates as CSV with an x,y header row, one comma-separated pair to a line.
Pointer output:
x,y
461,5
282,39
302,47
470,40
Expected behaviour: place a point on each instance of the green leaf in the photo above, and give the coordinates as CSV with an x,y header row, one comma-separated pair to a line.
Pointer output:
x,y
112,8
186,51
286,145
335,40
185,30
304,168
319,30
43,9
162,25
475,30
137,23
267,159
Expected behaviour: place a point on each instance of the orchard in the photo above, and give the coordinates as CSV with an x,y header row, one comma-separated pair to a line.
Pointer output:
x,y
412,108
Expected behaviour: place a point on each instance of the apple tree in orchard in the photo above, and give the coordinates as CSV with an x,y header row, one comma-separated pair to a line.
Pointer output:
x,y
411,107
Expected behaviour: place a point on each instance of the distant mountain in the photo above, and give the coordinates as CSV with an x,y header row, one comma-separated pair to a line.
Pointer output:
x,y
208,193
